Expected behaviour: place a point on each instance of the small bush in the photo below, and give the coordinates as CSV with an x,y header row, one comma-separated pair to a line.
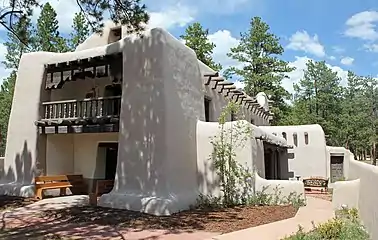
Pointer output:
x,y
345,226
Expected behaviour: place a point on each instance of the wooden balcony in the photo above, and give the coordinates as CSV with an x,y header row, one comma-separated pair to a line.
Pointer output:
x,y
80,116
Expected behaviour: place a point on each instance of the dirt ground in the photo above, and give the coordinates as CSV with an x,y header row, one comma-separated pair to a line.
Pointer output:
x,y
11,202
222,220
87,217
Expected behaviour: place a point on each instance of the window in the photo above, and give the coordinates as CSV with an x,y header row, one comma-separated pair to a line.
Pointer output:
x,y
252,121
295,138
233,116
306,138
284,135
207,109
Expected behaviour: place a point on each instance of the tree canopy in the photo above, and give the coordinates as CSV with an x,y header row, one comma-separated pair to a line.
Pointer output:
x,y
125,12
196,37
262,71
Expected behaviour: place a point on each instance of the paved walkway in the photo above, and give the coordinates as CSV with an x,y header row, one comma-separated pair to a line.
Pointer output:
x,y
316,211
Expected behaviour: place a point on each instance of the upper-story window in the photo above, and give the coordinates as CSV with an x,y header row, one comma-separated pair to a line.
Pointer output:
x,y
295,139
306,138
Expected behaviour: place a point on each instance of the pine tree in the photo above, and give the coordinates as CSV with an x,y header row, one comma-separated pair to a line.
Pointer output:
x,y
319,93
47,36
6,97
262,71
80,31
126,12
197,39
15,46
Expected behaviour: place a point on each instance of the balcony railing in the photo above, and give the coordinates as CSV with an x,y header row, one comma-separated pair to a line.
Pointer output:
x,y
82,109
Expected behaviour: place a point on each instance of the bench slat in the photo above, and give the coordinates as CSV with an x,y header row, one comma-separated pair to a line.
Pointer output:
x,y
51,178
54,185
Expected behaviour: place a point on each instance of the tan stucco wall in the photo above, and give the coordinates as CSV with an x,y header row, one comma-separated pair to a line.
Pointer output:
x,y
361,192
244,147
98,40
309,159
162,100
77,154
286,187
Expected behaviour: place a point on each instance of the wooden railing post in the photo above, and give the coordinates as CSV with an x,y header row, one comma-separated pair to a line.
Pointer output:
x,y
86,108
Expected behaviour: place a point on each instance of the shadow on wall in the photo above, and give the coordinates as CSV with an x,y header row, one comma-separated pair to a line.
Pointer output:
x,y
209,185
143,129
24,172
21,167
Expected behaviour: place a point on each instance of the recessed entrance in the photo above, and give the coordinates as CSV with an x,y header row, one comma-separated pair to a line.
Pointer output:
x,y
271,162
111,154
337,169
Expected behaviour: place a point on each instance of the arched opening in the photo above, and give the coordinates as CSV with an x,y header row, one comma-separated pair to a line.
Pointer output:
x,y
284,135
295,139
306,138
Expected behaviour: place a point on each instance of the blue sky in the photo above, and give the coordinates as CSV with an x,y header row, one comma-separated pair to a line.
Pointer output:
x,y
343,33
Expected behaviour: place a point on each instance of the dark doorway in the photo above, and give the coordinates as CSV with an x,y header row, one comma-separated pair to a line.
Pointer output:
x,y
111,156
268,164
272,161
207,109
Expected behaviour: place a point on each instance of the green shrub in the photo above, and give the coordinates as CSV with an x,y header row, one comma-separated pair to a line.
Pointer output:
x,y
345,226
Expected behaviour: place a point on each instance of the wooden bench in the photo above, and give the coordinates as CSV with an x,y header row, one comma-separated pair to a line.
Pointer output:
x,y
316,182
61,182
102,187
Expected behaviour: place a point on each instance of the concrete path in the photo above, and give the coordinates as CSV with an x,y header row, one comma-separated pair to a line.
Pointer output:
x,y
316,211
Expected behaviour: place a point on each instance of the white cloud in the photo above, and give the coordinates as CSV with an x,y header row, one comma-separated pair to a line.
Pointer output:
x,y
338,49
347,61
302,41
371,47
224,41
176,16
363,25
217,7
298,73
332,58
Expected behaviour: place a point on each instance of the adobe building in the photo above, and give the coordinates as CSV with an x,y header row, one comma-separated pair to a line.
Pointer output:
x,y
127,108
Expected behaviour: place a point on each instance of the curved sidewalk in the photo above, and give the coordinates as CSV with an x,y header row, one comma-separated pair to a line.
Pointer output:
x,y
316,211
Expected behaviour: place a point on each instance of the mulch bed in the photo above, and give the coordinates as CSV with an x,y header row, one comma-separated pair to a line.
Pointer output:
x,y
222,220
11,202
